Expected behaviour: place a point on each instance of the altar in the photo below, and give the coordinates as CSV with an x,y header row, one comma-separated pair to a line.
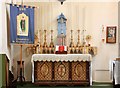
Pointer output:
x,y
61,69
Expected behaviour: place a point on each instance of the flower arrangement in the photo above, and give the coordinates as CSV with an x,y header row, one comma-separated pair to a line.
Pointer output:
x,y
88,37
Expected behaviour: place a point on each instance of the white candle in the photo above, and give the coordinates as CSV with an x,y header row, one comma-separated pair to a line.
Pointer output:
x,y
84,9
46,16
42,17
38,35
78,17
37,18
72,16
83,18
51,14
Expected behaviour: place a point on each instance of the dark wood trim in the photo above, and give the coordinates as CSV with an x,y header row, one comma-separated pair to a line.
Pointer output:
x,y
53,68
62,83
88,71
70,71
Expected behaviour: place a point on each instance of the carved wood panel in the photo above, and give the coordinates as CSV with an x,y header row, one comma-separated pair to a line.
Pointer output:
x,y
43,71
79,71
61,70
57,73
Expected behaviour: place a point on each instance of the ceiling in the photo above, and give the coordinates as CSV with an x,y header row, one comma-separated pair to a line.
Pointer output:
x,y
65,1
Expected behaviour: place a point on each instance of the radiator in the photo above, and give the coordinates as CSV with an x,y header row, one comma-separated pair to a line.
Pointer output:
x,y
116,72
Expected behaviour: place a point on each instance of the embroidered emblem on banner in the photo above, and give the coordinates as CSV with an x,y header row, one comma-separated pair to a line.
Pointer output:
x,y
22,25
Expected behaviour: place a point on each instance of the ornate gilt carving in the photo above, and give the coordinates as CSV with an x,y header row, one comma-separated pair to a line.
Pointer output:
x,y
72,49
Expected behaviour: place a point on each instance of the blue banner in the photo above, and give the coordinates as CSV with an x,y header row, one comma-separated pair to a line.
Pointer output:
x,y
21,24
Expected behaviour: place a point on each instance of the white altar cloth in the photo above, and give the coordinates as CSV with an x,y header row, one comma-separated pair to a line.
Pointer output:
x,y
61,57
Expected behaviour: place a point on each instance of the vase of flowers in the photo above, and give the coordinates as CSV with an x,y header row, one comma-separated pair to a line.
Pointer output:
x,y
88,38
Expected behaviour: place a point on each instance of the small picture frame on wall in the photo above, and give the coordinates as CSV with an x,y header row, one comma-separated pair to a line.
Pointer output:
x,y
111,34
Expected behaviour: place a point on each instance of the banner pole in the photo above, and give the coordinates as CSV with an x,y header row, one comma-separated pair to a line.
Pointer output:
x,y
21,67
20,56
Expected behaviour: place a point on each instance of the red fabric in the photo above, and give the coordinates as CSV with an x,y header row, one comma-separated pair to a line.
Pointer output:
x,y
61,48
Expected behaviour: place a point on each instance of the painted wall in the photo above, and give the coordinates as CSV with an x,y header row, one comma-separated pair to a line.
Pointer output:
x,y
4,46
0,27
91,17
119,26
88,16
4,39
3,43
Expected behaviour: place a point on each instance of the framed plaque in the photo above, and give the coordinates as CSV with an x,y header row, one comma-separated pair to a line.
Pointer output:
x,y
111,34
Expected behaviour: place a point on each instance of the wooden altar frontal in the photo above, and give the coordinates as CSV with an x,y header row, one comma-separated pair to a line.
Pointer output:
x,y
61,69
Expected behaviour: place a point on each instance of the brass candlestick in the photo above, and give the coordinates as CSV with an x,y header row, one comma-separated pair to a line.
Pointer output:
x,y
39,43
80,50
45,43
75,50
48,50
40,38
51,43
71,43
84,37
78,43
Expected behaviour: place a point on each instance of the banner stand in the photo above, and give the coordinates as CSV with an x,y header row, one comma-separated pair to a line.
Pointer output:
x,y
21,29
21,78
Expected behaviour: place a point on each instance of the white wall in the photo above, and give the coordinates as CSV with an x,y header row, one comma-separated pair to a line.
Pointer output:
x,y
0,27
4,45
91,17
98,15
5,31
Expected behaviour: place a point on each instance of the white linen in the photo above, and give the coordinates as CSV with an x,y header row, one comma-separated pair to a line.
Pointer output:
x,y
62,57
